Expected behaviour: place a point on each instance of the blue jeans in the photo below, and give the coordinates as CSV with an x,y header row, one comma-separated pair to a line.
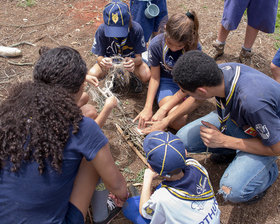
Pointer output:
x,y
247,175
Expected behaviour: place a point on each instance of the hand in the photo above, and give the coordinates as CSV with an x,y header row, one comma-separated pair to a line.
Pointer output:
x,y
143,116
129,64
106,63
155,126
159,115
111,102
211,136
92,80
118,201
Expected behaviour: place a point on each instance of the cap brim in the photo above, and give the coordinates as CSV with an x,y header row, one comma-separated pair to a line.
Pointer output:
x,y
114,31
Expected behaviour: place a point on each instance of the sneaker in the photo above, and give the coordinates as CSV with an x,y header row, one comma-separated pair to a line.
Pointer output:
x,y
217,50
222,158
113,211
135,84
245,57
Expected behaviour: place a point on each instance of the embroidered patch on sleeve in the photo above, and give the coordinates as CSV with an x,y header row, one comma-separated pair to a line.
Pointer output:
x,y
148,210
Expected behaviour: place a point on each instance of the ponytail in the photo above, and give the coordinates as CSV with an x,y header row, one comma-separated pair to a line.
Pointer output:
x,y
183,28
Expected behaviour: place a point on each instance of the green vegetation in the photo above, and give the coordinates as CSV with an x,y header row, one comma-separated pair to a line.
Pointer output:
x,y
277,29
26,3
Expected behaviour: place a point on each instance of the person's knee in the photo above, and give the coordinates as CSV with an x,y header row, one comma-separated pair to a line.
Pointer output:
x,y
143,72
89,111
275,71
97,71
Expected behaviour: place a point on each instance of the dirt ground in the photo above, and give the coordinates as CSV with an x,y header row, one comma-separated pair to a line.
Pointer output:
x,y
73,23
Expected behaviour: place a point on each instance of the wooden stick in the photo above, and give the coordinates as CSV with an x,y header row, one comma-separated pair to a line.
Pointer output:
x,y
131,145
20,64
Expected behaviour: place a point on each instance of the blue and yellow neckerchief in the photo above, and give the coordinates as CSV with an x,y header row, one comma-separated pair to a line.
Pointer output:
x,y
168,65
227,102
194,186
120,45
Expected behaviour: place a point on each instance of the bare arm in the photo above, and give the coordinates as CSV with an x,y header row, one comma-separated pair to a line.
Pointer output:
x,y
110,103
147,112
185,107
149,175
110,174
172,102
213,138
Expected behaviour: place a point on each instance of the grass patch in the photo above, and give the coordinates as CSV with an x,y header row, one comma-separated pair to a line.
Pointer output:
x,y
26,3
277,30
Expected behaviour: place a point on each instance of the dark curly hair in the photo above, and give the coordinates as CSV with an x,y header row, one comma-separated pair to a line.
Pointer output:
x,y
37,116
196,69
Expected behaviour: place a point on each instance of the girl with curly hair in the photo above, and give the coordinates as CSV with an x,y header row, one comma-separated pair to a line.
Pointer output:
x,y
52,156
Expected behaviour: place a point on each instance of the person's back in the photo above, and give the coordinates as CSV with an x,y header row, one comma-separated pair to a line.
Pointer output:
x,y
49,151
188,200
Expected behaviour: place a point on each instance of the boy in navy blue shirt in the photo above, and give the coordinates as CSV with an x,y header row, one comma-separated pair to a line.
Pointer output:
x,y
119,36
246,125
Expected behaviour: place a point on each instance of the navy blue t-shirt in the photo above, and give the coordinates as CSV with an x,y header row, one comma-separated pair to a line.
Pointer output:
x,y
124,47
28,197
255,102
161,55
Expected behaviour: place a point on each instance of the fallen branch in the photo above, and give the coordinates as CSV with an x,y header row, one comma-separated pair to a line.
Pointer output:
x,y
20,64
21,43
131,145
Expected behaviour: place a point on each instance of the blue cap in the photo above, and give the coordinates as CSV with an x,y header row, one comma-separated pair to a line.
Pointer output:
x,y
165,152
116,18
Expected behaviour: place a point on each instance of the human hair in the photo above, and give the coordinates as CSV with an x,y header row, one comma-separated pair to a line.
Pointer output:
x,y
184,29
62,66
196,69
37,117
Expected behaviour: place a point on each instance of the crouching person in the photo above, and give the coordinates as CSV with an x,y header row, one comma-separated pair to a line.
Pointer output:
x,y
184,196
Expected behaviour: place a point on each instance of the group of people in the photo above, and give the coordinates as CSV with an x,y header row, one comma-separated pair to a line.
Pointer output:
x,y
53,150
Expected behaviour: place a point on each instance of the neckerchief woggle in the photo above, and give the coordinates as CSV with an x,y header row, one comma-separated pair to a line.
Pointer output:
x,y
227,101
120,45
195,184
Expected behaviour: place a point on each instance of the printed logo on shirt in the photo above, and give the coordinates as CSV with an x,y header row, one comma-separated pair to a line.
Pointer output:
x,y
198,205
263,131
212,215
226,67
251,131
201,187
149,211
115,17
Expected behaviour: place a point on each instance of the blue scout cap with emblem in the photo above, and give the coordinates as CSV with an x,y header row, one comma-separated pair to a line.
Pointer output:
x,y
165,152
116,19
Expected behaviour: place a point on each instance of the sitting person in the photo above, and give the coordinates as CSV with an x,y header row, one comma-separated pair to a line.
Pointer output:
x,y
181,35
51,155
185,195
120,36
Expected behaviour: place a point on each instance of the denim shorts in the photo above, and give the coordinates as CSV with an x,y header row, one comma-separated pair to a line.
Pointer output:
x,y
276,59
261,14
73,215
